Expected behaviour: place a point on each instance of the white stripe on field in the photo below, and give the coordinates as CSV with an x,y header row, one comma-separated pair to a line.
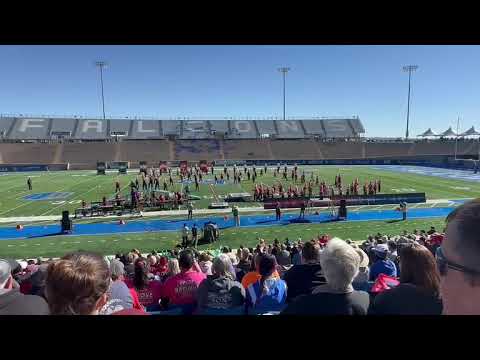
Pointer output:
x,y
29,203
76,196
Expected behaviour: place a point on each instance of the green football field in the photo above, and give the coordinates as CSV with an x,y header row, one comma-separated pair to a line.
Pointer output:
x,y
86,185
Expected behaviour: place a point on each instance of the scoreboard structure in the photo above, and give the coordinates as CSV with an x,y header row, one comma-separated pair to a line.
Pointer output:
x,y
101,167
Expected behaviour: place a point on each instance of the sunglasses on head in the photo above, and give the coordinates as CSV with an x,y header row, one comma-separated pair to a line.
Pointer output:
x,y
443,263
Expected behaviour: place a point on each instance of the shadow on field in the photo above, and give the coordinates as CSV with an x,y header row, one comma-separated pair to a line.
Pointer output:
x,y
393,221
47,235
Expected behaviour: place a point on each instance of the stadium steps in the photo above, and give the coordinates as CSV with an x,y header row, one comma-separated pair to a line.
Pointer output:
x,y
276,127
57,158
181,129
171,150
130,129
318,150
364,151
323,128
256,128
49,127
75,127
160,128
303,127
351,127
222,153
9,132
118,152
269,148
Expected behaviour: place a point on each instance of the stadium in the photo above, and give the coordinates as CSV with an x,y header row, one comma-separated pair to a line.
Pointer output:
x,y
235,216
61,156
89,167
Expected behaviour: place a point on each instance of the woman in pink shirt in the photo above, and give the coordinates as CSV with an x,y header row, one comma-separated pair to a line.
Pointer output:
x,y
148,291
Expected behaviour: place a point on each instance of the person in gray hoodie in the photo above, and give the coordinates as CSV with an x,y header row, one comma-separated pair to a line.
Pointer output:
x,y
220,291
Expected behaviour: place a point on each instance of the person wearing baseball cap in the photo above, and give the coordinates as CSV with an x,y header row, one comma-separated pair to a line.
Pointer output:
x,y
119,297
381,264
12,301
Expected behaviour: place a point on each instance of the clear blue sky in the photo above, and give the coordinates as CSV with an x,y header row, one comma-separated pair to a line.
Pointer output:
x,y
170,81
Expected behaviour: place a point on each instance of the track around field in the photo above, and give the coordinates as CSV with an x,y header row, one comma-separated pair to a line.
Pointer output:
x,y
142,226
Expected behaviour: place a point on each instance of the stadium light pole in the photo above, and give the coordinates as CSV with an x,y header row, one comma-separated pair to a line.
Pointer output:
x,y
409,69
101,65
284,71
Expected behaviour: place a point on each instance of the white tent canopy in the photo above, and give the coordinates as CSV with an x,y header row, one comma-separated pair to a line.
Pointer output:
x,y
470,132
427,133
448,133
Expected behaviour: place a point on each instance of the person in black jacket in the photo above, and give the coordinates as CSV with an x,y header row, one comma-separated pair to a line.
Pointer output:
x,y
12,301
302,279
340,263
419,289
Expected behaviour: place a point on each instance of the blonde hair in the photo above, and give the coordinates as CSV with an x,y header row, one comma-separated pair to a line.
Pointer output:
x,y
173,267
245,254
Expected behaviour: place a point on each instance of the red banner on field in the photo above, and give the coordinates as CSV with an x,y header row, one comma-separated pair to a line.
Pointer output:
x,y
183,166
203,166
163,166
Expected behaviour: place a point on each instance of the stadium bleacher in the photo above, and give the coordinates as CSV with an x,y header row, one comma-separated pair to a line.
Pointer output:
x,y
342,150
197,150
97,129
30,129
202,139
290,129
151,151
379,150
246,149
338,128
295,149
28,153
266,127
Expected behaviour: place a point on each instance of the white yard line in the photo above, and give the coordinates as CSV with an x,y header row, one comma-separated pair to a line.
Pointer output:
x,y
29,203
80,195
23,184
27,191
415,205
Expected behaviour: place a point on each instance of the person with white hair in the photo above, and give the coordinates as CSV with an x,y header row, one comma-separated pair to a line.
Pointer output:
x,y
340,263
12,301
220,290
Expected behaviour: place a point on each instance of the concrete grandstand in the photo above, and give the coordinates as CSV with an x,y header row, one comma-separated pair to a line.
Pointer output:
x,y
47,140
20,128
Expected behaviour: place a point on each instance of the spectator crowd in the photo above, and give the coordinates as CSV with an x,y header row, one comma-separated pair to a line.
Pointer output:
x,y
418,273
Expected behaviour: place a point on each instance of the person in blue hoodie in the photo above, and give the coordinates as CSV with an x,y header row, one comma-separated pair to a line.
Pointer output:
x,y
382,265
269,293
